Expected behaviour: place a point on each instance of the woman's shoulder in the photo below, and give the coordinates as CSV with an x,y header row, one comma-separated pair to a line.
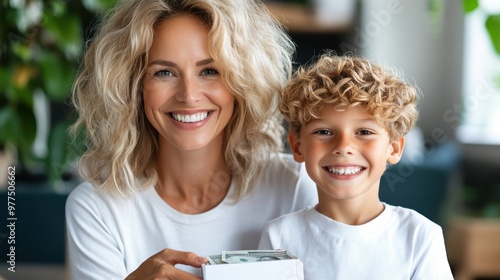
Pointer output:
x,y
86,195
286,181
280,170
283,162
84,190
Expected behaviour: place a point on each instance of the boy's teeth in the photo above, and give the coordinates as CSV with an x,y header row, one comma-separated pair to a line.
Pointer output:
x,y
345,170
190,118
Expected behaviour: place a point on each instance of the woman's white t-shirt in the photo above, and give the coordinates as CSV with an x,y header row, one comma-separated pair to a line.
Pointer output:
x,y
109,237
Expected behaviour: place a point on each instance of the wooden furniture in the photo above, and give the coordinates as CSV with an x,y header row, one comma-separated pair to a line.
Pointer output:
x,y
310,36
300,18
473,247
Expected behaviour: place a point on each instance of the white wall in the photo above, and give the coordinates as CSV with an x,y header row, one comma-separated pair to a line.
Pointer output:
x,y
401,33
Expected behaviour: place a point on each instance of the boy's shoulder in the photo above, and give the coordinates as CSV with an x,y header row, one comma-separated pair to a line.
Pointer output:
x,y
410,219
290,219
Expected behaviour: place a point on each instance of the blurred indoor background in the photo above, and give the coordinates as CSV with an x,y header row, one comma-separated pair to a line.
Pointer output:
x,y
450,49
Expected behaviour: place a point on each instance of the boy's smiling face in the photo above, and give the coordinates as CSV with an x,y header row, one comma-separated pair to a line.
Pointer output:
x,y
346,153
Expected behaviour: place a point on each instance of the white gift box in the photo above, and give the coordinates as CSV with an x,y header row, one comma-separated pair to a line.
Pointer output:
x,y
269,270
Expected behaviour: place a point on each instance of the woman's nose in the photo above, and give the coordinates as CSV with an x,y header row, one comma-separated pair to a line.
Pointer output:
x,y
189,91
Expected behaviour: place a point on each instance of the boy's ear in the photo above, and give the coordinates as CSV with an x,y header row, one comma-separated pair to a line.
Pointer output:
x,y
296,147
397,147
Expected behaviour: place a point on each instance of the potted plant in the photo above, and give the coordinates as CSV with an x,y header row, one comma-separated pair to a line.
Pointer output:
x,y
41,42
39,51
492,23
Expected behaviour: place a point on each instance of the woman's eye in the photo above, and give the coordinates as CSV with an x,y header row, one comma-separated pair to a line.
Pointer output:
x,y
163,73
210,72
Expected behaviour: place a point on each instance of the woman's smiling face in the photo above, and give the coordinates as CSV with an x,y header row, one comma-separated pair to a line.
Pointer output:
x,y
185,99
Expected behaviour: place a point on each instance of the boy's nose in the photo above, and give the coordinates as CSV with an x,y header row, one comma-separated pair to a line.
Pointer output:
x,y
343,146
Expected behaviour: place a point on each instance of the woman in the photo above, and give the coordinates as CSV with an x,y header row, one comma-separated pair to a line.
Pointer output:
x,y
178,100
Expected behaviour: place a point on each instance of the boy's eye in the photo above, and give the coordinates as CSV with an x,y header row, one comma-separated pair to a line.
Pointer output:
x,y
210,72
365,132
322,132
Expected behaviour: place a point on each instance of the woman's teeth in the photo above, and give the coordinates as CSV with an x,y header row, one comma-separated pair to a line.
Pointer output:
x,y
190,118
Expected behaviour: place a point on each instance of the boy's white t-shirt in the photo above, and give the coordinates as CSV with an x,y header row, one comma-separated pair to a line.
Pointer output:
x,y
109,237
399,244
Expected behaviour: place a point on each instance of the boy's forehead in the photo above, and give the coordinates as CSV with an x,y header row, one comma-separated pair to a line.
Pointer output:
x,y
358,114
341,108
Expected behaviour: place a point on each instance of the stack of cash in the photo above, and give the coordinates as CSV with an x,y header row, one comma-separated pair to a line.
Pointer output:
x,y
244,256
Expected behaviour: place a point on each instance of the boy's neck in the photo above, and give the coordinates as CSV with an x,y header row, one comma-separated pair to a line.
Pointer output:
x,y
351,212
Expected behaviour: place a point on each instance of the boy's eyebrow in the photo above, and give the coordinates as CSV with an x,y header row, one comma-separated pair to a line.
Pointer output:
x,y
355,119
363,121
371,120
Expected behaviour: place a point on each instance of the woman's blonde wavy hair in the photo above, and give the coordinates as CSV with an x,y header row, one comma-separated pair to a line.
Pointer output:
x,y
347,81
255,56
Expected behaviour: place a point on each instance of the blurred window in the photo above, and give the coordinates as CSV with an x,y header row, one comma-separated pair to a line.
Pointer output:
x,y
480,112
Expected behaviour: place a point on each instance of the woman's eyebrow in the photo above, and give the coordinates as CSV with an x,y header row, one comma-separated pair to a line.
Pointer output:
x,y
172,64
204,61
162,63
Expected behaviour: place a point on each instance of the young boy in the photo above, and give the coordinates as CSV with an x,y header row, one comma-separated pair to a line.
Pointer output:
x,y
347,120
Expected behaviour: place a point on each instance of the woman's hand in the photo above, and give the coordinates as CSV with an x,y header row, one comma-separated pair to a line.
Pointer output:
x,y
162,266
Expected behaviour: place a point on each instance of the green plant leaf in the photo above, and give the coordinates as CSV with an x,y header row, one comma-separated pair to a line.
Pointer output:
x,y
18,127
57,75
5,79
493,26
10,125
28,133
28,127
470,5
496,81
57,158
21,83
22,95
67,31
22,50
98,6
435,9
56,8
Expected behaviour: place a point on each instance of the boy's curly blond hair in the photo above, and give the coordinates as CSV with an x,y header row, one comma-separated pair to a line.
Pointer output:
x,y
347,81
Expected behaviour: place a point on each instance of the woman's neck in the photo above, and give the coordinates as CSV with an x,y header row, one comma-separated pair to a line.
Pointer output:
x,y
192,182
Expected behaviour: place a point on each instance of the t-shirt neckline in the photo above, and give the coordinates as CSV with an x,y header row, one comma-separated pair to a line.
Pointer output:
x,y
200,218
341,229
